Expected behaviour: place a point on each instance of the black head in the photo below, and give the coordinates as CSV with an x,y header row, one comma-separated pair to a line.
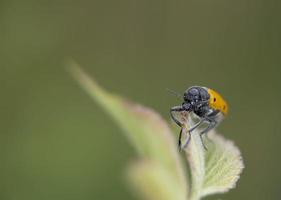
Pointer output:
x,y
196,95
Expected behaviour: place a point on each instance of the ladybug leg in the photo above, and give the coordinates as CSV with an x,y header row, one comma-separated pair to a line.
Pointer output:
x,y
196,125
211,125
192,129
176,109
179,143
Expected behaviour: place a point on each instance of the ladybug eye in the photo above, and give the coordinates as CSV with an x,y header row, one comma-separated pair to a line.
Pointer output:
x,y
194,92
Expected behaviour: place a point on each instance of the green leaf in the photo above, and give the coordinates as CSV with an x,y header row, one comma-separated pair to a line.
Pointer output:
x,y
215,170
153,181
224,165
148,133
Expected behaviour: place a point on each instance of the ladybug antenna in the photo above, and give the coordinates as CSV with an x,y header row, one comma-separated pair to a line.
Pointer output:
x,y
174,93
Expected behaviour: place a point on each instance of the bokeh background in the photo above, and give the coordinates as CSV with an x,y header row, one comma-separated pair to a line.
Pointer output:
x,y
56,143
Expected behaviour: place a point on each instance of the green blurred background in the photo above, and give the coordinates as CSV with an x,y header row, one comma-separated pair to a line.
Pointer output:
x,y
56,143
